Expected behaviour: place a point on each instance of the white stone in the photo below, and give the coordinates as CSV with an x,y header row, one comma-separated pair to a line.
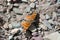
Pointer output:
x,y
32,0
24,0
16,4
32,5
10,37
47,16
34,30
51,21
14,31
21,29
43,26
53,36
8,3
8,0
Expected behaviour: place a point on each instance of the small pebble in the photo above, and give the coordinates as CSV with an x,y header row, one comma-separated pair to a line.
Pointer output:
x,y
46,23
14,31
32,5
24,0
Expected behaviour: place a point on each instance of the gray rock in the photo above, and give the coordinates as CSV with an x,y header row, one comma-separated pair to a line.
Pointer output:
x,y
58,14
28,8
1,1
17,10
15,24
58,1
37,37
46,23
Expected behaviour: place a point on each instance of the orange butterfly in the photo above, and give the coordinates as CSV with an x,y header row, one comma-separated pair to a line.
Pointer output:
x,y
29,19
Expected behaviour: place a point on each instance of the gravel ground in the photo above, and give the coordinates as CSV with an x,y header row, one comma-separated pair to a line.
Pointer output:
x,y
29,19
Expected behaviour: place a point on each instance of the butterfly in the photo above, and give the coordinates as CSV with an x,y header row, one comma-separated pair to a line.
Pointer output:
x,y
28,20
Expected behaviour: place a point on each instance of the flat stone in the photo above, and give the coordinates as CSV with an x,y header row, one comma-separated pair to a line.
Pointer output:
x,y
53,36
43,26
10,37
37,38
24,0
32,0
16,4
25,39
12,19
58,1
51,21
17,10
13,31
57,23
18,17
34,33
32,5
47,16
15,24
47,24
28,8
42,16
8,0
58,14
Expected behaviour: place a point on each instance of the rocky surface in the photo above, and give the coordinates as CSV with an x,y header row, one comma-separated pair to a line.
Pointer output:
x,y
29,19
